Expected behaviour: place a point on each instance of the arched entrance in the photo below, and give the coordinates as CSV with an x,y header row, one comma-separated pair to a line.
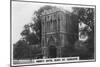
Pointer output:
x,y
52,51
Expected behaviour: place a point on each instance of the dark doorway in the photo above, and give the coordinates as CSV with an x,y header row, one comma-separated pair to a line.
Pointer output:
x,y
52,52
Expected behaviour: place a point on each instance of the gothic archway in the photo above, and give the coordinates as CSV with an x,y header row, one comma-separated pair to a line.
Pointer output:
x,y
52,48
51,41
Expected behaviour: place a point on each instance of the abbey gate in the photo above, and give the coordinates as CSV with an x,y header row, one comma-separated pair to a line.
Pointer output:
x,y
55,27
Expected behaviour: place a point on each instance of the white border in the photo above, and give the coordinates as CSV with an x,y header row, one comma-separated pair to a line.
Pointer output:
x,y
75,5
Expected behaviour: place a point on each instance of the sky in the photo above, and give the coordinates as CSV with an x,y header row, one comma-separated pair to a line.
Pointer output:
x,y
22,13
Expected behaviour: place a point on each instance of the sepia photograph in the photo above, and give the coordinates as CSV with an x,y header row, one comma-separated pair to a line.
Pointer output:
x,y
48,33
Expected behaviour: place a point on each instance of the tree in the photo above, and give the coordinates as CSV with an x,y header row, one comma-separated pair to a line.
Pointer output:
x,y
21,50
31,33
86,16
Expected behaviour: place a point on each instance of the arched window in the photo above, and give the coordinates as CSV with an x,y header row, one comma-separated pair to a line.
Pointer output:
x,y
51,41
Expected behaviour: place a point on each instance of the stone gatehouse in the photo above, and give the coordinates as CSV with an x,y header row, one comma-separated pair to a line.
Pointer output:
x,y
55,25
